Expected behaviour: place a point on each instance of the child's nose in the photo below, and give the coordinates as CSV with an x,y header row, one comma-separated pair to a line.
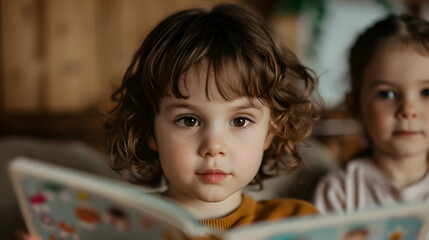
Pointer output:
x,y
407,110
212,145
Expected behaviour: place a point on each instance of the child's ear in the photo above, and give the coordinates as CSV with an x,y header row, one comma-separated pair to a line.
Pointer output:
x,y
270,135
152,144
268,140
351,106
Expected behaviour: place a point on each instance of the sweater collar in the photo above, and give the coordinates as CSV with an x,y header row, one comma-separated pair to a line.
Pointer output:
x,y
247,206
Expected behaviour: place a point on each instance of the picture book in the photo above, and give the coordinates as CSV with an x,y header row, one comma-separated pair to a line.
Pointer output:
x,y
62,203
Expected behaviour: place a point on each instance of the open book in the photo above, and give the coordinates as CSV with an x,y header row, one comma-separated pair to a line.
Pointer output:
x,y
61,203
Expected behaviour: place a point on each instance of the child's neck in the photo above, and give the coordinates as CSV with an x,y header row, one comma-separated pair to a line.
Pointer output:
x,y
203,210
402,171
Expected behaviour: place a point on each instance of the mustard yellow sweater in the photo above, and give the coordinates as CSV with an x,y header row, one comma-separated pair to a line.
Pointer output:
x,y
251,211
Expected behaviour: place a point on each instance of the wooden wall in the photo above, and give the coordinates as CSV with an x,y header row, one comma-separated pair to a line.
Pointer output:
x,y
61,59
62,56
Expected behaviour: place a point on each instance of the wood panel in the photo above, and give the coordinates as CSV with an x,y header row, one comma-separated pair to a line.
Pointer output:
x,y
72,83
62,59
21,55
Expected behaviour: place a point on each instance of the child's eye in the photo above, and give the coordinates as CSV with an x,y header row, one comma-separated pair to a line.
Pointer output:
x,y
387,94
188,121
240,122
425,92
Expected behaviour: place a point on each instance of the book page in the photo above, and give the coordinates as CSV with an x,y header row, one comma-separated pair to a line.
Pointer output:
x,y
60,203
405,221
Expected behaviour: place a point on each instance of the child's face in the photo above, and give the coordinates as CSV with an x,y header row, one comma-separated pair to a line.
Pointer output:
x,y
209,149
394,102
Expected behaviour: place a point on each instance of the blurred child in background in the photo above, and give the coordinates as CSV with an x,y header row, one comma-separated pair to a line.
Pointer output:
x,y
389,66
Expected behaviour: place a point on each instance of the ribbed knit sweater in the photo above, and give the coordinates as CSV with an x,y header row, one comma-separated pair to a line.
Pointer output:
x,y
251,211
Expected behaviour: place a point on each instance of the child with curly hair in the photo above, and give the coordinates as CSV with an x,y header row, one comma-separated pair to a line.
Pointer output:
x,y
212,101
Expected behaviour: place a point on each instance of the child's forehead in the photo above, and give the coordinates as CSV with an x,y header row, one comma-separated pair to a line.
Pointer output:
x,y
389,53
391,50
214,83
200,91
403,43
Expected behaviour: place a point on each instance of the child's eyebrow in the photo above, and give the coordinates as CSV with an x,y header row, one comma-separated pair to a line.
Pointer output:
x,y
179,105
384,82
424,82
243,106
377,82
249,106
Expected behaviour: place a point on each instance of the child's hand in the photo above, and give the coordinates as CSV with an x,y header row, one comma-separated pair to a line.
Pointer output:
x,y
29,237
22,234
26,236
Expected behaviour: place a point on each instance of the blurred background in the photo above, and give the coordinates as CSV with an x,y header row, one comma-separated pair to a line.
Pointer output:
x,y
60,60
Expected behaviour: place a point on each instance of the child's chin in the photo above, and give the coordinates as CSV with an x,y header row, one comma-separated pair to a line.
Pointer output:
x,y
213,197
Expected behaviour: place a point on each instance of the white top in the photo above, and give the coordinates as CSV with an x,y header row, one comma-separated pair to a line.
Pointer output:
x,y
361,185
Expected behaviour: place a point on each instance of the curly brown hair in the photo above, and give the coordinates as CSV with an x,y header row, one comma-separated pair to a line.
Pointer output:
x,y
226,36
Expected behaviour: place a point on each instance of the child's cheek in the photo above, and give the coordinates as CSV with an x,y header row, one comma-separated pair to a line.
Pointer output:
x,y
379,119
251,150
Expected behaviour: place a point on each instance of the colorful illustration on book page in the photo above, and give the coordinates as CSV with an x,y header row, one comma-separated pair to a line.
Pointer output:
x,y
404,228
66,213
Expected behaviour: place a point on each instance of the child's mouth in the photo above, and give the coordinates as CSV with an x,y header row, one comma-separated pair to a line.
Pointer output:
x,y
213,175
405,133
